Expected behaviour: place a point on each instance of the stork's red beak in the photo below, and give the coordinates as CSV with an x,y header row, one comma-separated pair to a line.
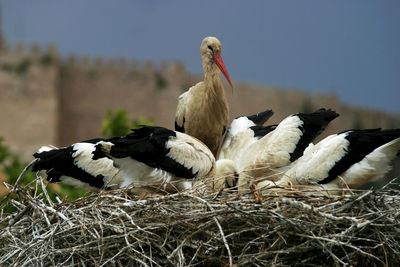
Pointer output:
x,y
220,63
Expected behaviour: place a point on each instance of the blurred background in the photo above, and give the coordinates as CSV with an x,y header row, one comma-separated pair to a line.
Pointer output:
x,y
64,64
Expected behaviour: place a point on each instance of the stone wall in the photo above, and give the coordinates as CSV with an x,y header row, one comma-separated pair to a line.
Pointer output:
x,y
45,99
28,99
89,87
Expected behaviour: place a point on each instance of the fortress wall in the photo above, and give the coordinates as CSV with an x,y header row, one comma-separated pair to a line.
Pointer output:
x,y
28,100
48,100
89,87
250,99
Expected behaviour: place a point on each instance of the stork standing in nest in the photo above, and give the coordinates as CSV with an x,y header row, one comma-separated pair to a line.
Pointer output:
x,y
203,110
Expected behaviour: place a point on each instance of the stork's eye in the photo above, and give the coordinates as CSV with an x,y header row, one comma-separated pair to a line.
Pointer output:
x,y
209,47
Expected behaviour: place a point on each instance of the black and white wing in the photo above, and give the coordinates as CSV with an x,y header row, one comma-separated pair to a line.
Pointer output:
x,y
357,156
181,110
288,140
242,132
158,156
74,165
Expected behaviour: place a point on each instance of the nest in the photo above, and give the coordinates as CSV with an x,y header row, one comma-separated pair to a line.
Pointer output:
x,y
194,228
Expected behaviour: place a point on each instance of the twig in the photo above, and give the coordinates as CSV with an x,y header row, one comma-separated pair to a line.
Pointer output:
x,y
23,173
186,229
219,227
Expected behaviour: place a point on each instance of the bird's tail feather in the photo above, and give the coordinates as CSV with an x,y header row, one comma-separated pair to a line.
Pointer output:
x,y
374,166
262,117
103,149
313,125
48,158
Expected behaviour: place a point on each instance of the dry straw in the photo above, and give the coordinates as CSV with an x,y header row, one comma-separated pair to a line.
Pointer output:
x,y
194,228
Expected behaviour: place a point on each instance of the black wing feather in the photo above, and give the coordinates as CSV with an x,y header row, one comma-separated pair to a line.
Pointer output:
x,y
59,162
179,128
262,117
148,145
361,143
313,125
260,131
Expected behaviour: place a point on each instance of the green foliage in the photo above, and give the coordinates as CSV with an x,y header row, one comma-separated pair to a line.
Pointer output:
x,y
117,123
4,152
46,59
20,68
23,66
69,192
7,67
13,167
139,121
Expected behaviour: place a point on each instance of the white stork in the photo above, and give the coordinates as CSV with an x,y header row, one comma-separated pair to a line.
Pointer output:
x,y
159,158
345,160
203,111
258,151
242,132
74,165
148,159
226,176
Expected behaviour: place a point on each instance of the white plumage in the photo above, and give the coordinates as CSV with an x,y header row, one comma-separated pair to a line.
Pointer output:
x,y
150,159
158,159
74,165
274,149
373,167
263,157
319,159
190,153
243,132
226,175
345,160
103,166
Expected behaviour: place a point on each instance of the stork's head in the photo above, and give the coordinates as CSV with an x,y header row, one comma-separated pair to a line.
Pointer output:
x,y
210,51
226,174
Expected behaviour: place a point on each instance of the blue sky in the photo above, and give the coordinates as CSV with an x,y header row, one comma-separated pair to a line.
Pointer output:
x,y
351,48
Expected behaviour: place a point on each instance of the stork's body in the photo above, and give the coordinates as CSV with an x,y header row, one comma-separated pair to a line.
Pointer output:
x,y
265,155
345,160
75,166
150,159
203,111
155,158
243,132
